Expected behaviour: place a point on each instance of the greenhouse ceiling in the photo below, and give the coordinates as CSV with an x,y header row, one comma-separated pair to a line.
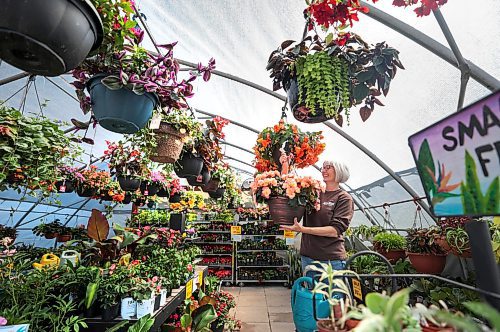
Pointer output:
x,y
240,35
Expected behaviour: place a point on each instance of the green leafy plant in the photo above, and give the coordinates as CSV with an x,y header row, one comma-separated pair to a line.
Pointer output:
x,y
466,323
92,287
6,231
367,232
389,241
323,83
144,324
473,200
423,241
458,239
49,228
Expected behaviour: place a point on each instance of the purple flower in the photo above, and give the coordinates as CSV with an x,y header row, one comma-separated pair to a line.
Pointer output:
x,y
3,321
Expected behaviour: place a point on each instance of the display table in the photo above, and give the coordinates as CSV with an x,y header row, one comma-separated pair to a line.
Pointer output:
x,y
161,315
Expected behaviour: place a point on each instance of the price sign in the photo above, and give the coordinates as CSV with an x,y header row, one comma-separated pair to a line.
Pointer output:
x,y
189,289
200,278
356,288
289,237
236,233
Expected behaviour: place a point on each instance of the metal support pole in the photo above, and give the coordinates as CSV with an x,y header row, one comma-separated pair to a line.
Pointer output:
x,y
13,78
238,160
478,74
78,210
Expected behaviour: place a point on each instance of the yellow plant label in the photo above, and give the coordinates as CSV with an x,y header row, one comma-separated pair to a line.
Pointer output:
x,y
200,278
356,288
235,230
289,234
189,289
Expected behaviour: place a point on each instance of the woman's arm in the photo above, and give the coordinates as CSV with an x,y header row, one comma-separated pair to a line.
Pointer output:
x,y
327,231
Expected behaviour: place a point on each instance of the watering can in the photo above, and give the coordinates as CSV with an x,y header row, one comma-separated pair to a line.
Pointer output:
x,y
70,256
306,306
47,261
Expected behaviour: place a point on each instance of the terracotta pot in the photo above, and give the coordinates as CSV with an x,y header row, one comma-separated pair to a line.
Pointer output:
x,y
64,237
393,255
169,144
351,323
427,263
282,213
50,236
441,241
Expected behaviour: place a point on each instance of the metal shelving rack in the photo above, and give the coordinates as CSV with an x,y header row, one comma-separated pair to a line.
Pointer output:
x,y
286,257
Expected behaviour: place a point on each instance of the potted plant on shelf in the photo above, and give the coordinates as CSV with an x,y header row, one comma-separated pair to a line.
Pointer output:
x,y
112,286
127,163
324,78
424,253
286,143
458,240
391,246
288,196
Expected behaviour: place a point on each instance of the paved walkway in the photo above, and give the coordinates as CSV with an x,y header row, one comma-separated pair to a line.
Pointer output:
x,y
263,309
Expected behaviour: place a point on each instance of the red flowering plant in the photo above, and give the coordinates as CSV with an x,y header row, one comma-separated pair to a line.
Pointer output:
x,y
341,64
302,148
224,302
112,191
424,7
93,178
126,159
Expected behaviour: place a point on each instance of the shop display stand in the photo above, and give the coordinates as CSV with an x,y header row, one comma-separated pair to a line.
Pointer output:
x,y
239,279
161,315
201,243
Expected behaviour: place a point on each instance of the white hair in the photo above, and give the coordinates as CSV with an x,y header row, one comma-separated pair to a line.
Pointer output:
x,y
341,170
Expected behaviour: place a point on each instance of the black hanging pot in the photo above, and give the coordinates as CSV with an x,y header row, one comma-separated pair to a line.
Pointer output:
x,y
86,192
127,199
219,193
175,198
48,38
128,182
151,204
299,110
200,180
149,189
140,201
163,193
188,165
65,186
120,111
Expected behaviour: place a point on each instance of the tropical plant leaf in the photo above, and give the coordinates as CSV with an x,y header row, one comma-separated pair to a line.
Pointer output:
x,y
98,226
472,182
202,317
118,326
365,113
376,302
207,300
186,321
492,198
461,323
79,124
142,325
486,311
425,162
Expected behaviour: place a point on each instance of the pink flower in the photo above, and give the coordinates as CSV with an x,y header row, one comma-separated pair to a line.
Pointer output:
x,y
266,192
190,268
3,321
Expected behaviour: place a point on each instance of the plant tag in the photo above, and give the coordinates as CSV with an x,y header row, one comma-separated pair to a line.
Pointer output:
x,y
146,192
356,289
236,233
200,278
289,237
62,188
155,122
189,289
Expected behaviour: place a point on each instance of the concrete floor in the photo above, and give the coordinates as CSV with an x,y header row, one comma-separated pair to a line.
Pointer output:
x,y
263,308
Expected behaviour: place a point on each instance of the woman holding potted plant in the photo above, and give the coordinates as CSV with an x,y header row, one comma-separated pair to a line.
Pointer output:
x,y
323,229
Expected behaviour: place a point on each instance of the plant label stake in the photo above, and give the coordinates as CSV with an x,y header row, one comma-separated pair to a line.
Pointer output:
x,y
236,233
155,122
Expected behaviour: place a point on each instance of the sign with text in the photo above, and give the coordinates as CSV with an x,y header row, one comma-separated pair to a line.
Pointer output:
x,y
189,289
289,237
236,233
458,160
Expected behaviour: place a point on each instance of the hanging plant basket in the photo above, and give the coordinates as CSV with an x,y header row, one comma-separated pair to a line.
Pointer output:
x,y
127,199
427,263
200,180
50,236
65,187
282,213
48,38
169,144
212,185
188,165
163,193
86,192
300,111
120,111
64,237
175,198
149,189
219,193
128,182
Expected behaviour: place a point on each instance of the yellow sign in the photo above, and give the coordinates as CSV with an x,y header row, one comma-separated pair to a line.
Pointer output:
x,y
235,230
289,234
189,289
200,278
356,288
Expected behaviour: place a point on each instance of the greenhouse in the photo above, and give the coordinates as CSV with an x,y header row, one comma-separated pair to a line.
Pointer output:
x,y
214,165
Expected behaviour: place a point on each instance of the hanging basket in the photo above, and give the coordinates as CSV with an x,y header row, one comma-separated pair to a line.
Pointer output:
x,y
149,189
175,198
427,263
282,213
86,192
48,38
200,180
393,255
169,144
219,193
128,182
300,111
212,185
65,187
120,111
127,199
163,193
188,165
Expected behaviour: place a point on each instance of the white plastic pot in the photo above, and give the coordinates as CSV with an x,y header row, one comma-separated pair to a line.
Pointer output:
x,y
145,307
163,297
128,308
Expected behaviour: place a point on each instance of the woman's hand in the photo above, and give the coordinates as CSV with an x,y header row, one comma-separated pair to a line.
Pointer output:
x,y
296,227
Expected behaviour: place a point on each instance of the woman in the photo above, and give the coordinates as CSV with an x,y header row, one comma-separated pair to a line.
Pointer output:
x,y
322,231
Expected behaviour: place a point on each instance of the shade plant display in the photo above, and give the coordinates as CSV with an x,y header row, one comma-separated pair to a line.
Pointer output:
x,y
424,252
92,182
288,195
302,149
391,246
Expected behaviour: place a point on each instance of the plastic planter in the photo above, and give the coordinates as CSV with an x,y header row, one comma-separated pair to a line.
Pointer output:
x,y
148,189
427,263
219,193
128,182
282,213
128,308
188,165
88,192
120,111
110,313
175,198
65,187
163,193
200,180
48,38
